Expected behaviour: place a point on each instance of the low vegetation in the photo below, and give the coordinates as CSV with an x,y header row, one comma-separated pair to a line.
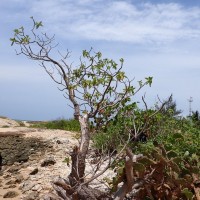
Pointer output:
x,y
169,166
62,124
3,117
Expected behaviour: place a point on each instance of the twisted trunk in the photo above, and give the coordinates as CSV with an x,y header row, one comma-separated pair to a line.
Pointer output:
x,y
79,153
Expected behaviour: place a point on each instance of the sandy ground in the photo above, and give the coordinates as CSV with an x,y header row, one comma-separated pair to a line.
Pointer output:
x,y
10,127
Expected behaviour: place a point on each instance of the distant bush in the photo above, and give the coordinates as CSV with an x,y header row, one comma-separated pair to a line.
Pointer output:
x,y
68,125
5,126
21,123
3,117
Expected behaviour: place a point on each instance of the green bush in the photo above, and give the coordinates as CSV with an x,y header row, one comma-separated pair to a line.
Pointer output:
x,y
3,117
21,123
170,163
68,125
109,139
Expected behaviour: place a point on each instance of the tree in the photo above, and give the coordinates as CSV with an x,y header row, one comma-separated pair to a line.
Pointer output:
x,y
170,107
196,118
97,90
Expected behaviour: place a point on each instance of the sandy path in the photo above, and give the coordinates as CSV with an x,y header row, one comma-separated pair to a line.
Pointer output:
x,y
46,135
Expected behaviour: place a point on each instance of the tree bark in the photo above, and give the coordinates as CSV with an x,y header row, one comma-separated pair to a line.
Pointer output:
x,y
79,153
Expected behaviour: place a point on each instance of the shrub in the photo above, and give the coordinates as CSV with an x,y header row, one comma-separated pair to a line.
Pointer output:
x,y
68,125
3,117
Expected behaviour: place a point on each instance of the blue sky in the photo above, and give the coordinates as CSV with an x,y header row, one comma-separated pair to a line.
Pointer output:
x,y
158,38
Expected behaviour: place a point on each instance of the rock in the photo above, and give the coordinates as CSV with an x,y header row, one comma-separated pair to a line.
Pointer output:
x,y
26,186
37,188
6,122
33,157
17,148
58,142
14,169
25,165
10,194
35,171
19,178
32,196
48,161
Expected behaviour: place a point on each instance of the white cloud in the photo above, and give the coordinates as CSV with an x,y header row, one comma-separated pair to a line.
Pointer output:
x,y
111,20
119,20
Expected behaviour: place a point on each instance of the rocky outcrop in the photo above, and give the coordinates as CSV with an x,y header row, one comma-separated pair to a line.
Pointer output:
x,y
18,149
29,164
5,122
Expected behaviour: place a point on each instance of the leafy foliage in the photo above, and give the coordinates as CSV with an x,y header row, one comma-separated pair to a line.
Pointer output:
x,y
196,118
170,164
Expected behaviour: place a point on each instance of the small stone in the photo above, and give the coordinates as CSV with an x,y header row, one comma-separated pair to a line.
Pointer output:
x,y
25,165
37,187
58,142
26,186
19,178
32,196
10,194
33,157
48,161
35,171
14,169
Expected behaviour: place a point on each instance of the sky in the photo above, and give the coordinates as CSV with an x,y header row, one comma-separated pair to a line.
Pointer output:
x,y
159,38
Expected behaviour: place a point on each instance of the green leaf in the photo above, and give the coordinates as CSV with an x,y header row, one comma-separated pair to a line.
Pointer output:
x,y
99,55
13,40
85,53
38,24
16,31
149,80
171,154
187,193
121,60
177,136
120,76
185,171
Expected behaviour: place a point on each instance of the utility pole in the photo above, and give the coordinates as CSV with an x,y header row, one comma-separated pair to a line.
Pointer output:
x,y
190,100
